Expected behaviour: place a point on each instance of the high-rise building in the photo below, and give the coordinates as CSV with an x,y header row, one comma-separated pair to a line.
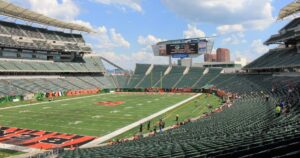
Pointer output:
x,y
212,57
223,55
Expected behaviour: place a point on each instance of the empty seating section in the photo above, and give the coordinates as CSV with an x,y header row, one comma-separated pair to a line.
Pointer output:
x,y
91,64
170,79
3,31
38,66
174,79
40,37
78,38
43,45
248,128
31,31
65,37
190,78
58,47
73,47
23,66
276,58
153,78
141,68
285,55
79,67
7,41
228,81
208,77
139,73
11,29
33,85
122,81
8,65
87,76
106,81
292,24
49,35
94,64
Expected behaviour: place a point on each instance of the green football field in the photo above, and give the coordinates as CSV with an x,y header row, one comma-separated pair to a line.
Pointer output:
x,y
191,109
82,115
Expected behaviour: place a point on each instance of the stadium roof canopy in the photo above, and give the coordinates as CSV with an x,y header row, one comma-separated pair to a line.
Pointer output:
x,y
290,9
11,10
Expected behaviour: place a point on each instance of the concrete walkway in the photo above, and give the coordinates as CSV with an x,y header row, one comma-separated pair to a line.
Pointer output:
x,y
135,124
18,148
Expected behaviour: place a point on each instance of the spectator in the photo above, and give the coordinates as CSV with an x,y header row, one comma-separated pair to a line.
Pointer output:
x,y
141,127
177,118
281,104
148,125
286,109
278,110
209,106
154,129
267,98
160,125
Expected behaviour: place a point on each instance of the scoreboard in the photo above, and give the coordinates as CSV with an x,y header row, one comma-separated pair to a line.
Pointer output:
x,y
189,48
181,48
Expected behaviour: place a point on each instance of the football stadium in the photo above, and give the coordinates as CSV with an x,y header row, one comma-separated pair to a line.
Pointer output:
x,y
58,98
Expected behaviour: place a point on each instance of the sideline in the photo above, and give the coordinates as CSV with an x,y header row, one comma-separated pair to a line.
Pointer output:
x,y
47,102
19,148
135,124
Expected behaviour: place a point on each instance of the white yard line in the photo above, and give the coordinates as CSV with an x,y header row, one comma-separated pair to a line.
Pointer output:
x,y
18,106
135,124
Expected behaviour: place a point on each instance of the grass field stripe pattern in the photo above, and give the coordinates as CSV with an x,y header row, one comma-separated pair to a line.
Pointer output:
x,y
135,124
45,102
84,117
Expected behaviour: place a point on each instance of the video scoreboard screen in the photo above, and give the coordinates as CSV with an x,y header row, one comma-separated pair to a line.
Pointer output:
x,y
189,48
181,48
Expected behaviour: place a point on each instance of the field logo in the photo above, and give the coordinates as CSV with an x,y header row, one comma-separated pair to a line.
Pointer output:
x,y
110,103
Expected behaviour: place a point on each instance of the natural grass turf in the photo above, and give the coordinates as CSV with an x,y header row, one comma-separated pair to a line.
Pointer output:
x,y
191,109
8,153
8,104
82,116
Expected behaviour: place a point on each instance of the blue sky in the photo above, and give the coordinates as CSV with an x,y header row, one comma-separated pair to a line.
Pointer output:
x,y
125,29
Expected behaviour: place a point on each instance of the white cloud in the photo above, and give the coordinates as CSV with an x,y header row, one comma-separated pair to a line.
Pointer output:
x,y
248,13
64,9
148,40
129,60
193,32
234,39
258,47
225,29
133,4
105,39
119,39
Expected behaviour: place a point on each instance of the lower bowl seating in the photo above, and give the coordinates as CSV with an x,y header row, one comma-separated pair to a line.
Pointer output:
x,y
249,128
